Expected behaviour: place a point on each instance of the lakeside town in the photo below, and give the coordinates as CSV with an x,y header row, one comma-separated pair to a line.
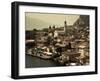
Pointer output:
x,y
67,45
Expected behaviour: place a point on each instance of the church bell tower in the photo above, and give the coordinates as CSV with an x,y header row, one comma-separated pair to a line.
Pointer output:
x,y
65,27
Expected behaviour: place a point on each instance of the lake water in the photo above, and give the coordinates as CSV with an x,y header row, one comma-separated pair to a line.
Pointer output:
x,y
32,62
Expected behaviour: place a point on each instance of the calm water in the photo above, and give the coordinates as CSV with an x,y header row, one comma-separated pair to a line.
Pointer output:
x,y
32,62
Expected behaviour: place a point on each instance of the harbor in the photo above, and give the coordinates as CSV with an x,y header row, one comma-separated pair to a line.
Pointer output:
x,y
58,46
34,62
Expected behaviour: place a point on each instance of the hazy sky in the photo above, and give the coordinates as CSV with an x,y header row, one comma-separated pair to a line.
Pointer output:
x,y
44,20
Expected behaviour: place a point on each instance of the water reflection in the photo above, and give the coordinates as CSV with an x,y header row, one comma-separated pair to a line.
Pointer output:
x,y
32,62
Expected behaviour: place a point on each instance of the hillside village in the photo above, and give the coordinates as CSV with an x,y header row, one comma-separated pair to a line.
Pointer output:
x,y
68,45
